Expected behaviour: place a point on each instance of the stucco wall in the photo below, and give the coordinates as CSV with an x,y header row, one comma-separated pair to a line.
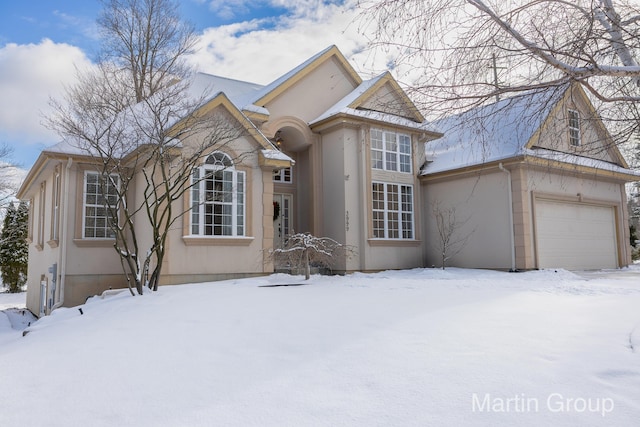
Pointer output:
x,y
333,184
312,95
481,202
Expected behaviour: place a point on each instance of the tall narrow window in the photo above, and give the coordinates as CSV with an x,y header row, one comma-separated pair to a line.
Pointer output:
x,y
100,205
218,198
55,212
574,128
392,210
41,214
390,151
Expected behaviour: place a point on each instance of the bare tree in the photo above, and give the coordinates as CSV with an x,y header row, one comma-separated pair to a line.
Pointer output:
x,y
456,54
147,39
302,250
9,181
137,117
451,238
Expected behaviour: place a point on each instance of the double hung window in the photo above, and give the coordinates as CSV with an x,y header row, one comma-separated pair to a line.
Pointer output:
x,y
392,211
218,198
100,205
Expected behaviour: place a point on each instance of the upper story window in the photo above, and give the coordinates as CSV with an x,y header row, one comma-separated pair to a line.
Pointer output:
x,y
218,198
390,151
574,128
283,175
100,205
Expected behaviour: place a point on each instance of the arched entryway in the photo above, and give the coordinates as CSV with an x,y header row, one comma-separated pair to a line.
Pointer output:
x,y
293,188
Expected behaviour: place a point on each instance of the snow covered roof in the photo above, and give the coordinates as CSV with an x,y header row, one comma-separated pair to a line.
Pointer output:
x,y
489,133
242,94
501,131
342,106
346,106
203,88
276,155
66,147
559,156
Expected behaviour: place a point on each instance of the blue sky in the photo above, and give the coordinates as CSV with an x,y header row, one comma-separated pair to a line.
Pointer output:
x,y
43,41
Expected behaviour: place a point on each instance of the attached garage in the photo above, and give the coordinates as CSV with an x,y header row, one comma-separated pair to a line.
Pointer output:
x,y
575,236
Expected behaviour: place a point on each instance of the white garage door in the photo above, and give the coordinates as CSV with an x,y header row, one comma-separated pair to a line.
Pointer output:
x,y
575,236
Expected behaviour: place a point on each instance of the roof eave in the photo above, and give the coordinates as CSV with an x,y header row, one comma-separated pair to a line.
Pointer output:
x,y
343,118
535,161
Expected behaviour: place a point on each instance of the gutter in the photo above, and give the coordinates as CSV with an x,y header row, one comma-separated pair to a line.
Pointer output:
x,y
512,232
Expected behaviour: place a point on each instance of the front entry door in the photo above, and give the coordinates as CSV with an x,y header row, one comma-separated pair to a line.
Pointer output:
x,y
282,204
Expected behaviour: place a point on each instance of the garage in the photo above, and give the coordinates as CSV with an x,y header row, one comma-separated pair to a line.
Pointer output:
x,y
575,236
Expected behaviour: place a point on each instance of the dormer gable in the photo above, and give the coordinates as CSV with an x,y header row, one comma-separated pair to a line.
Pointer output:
x,y
380,101
573,126
386,96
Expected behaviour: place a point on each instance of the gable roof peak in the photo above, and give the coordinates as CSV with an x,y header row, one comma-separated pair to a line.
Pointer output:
x,y
279,85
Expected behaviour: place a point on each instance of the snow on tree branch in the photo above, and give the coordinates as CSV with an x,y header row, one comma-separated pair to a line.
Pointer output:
x,y
303,250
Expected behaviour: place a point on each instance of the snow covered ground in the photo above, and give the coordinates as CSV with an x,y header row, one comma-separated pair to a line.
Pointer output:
x,y
407,348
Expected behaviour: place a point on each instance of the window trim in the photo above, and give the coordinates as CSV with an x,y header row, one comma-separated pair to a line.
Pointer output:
x,y
400,220
83,235
31,220
403,161
55,208
575,133
42,194
198,180
283,176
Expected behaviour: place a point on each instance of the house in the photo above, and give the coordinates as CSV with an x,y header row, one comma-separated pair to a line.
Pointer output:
x,y
350,159
537,181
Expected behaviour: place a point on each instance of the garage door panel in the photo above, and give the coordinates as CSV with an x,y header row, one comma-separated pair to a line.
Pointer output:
x,y
575,235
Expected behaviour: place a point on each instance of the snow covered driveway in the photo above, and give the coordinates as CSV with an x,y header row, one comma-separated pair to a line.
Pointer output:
x,y
406,348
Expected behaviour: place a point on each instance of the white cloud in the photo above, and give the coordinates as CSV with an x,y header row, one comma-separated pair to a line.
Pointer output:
x,y
260,51
29,75
229,9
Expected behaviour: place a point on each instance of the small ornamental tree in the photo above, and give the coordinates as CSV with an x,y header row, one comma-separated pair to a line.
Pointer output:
x,y
450,238
14,250
302,250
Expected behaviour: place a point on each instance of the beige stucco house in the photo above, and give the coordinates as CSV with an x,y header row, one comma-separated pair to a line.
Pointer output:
x,y
343,157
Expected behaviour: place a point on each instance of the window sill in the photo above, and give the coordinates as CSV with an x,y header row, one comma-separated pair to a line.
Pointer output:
x,y
216,241
53,243
395,242
94,243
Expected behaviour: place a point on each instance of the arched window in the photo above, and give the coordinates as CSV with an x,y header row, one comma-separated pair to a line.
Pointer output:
x,y
219,159
218,198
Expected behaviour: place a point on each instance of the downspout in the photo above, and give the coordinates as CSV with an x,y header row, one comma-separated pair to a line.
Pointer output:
x,y
62,259
512,232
